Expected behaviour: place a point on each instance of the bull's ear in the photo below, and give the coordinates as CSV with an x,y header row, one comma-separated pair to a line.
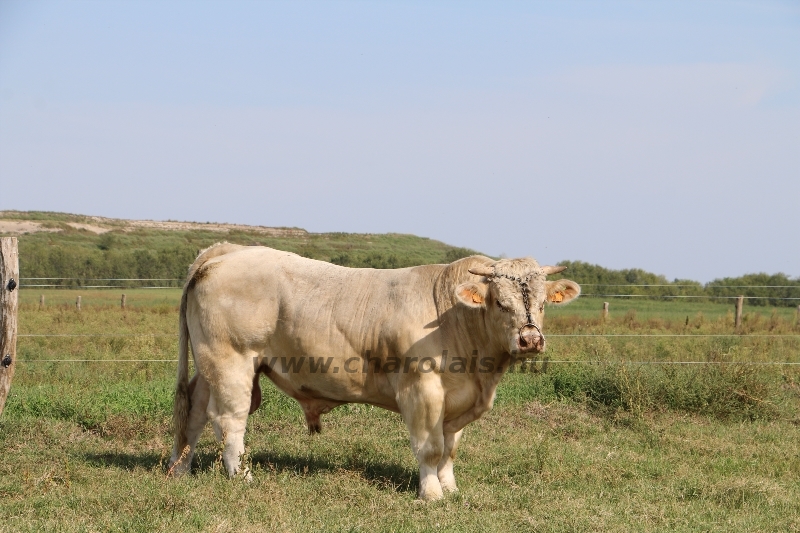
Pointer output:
x,y
562,291
472,294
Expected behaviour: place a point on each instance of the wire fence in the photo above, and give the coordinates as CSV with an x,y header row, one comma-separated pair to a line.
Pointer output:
x,y
544,360
693,286
80,285
94,283
527,361
582,284
757,294
29,335
97,287
706,296
699,335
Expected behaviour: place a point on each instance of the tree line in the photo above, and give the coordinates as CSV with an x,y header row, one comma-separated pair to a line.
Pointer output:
x,y
80,263
760,289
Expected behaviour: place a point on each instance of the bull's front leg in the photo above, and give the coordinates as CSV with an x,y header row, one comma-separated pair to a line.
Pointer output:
x,y
422,407
445,469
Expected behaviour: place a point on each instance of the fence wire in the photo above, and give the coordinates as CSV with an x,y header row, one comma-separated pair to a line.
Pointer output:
x,y
710,287
29,335
25,286
543,361
104,279
521,361
699,335
709,296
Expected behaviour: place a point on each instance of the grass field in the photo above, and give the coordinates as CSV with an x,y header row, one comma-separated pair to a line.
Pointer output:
x,y
606,444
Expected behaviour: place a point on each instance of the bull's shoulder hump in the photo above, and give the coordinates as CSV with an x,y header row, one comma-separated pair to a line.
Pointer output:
x,y
263,259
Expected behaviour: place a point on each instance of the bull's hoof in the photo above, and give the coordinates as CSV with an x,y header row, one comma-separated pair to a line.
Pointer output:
x,y
449,489
246,475
178,469
430,496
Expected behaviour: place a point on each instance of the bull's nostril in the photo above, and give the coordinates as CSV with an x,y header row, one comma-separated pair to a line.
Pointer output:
x,y
526,341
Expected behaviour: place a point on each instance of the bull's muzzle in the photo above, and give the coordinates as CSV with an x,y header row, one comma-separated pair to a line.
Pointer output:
x,y
531,338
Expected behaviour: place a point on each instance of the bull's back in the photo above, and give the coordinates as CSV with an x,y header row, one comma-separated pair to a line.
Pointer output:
x,y
288,305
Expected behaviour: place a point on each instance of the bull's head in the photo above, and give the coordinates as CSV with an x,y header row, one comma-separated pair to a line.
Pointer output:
x,y
512,292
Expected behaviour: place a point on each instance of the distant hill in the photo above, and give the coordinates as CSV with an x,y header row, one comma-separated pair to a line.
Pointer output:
x,y
61,245
78,248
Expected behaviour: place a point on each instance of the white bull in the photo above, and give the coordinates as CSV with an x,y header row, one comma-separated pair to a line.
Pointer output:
x,y
429,342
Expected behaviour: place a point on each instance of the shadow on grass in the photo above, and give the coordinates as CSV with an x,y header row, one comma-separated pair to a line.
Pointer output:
x,y
384,474
125,461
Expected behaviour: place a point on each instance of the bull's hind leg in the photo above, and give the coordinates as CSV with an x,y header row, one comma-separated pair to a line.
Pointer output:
x,y
229,405
181,461
445,469
422,407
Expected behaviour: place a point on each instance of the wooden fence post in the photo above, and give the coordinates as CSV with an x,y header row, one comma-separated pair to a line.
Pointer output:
x,y
78,303
798,315
605,310
9,277
122,301
41,301
739,302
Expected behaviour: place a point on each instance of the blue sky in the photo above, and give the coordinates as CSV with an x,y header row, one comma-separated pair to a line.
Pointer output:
x,y
658,135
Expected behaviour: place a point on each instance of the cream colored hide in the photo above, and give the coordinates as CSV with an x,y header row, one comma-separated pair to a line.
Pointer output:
x,y
429,342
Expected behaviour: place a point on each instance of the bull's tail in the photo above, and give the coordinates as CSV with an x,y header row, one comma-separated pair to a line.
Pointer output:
x,y
180,410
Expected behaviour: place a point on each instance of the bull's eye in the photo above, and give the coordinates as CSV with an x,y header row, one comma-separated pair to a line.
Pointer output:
x,y
541,307
500,306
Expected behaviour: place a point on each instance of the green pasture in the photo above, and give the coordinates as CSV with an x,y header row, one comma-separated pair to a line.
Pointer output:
x,y
30,297
669,309
609,443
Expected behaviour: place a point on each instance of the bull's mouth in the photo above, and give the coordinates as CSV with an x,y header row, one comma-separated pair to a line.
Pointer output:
x,y
523,345
530,338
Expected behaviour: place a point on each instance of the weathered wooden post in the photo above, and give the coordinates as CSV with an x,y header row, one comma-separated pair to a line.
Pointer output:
x,y
797,320
739,303
122,301
605,310
41,301
9,274
78,303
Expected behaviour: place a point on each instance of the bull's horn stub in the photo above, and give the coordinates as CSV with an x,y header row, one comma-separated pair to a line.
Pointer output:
x,y
482,270
553,269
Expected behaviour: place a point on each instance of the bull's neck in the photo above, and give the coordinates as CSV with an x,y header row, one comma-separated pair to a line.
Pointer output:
x,y
464,331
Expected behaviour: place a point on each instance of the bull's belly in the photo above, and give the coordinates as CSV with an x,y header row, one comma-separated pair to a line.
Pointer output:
x,y
336,388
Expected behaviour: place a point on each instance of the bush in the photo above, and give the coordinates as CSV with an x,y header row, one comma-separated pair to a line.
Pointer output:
x,y
723,391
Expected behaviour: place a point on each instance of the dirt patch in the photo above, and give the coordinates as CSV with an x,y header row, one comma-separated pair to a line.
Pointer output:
x,y
17,227
222,228
89,227
100,225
